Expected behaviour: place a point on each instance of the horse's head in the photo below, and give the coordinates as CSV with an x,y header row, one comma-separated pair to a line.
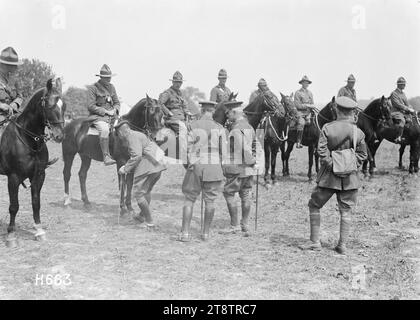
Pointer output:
x,y
220,114
385,106
153,115
287,102
54,108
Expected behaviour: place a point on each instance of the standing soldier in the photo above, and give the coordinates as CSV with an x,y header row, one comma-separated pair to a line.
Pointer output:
x,y
348,90
174,106
103,106
220,93
400,108
147,169
204,173
239,171
336,135
303,101
10,99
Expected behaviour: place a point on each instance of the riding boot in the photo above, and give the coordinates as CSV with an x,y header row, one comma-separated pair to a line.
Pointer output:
x,y
104,143
187,212
233,212
299,139
208,218
344,232
246,209
315,223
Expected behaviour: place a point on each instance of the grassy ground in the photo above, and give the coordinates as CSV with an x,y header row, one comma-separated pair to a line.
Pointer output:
x,y
93,255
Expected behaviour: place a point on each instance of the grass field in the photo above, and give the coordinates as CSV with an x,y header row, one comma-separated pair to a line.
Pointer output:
x,y
94,255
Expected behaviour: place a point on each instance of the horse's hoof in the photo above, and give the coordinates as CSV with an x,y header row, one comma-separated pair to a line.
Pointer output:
x,y
41,237
11,242
87,205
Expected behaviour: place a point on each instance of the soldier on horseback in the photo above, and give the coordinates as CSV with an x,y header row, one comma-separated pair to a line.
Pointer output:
x,y
348,90
239,171
174,107
103,107
220,93
401,110
10,98
304,101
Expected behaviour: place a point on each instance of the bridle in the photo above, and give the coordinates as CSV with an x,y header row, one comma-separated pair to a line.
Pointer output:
x,y
43,138
146,128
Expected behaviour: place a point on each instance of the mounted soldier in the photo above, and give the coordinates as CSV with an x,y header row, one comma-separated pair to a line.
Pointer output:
x,y
337,136
220,93
174,107
401,110
10,98
103,107
303,101
239,168
204,169
269,96
348,90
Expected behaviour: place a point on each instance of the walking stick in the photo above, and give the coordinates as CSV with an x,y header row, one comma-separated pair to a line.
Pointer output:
x,y
202,203
256,204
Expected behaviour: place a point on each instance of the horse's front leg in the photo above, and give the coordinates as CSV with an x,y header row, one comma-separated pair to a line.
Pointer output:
x,y
267,162
129,187
402,149
316,158
287,156
311,161
13,187
36,185
274,151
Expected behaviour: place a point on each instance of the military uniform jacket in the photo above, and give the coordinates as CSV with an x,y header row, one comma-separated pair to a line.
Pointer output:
x,y
241,148
142,152
302,97
219,94
347,92
7,94
399,101
332,136
205,148
172,100
102,97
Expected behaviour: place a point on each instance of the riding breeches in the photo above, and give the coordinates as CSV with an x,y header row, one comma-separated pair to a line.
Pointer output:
x,y
143,185
346,198
102,127
235,184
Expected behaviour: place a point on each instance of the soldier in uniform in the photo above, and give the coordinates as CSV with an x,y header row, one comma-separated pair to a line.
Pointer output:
x,y
303,101
239,167
174,107
103,106
220,93
269,96
336,135
204,173
348,90
401,110
147,169
10,98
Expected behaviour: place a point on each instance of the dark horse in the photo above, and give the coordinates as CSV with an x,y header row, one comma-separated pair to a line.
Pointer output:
x,y
310,133
379,116
145,116
24,154
267,115
373,119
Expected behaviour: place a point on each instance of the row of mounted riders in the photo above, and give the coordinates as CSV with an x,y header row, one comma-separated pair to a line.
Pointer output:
x,y
24,154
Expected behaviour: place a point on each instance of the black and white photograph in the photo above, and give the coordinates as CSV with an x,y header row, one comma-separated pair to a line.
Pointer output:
x,y
209,154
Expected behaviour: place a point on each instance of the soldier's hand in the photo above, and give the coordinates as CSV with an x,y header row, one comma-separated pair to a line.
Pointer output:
x,y
122,170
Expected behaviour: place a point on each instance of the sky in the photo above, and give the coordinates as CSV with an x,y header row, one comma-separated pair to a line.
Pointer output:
x,y
145,42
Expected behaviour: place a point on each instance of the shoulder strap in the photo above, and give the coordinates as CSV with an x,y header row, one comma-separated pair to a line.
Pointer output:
x,y
354,137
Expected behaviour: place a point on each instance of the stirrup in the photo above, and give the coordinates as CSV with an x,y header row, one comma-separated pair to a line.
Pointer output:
x,y
108,161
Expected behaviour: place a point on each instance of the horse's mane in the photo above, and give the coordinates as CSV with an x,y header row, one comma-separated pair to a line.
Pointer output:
x,y
35,96
372,105
135,108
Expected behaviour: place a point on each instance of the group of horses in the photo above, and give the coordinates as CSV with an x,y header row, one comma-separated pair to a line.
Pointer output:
x,y
24,154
